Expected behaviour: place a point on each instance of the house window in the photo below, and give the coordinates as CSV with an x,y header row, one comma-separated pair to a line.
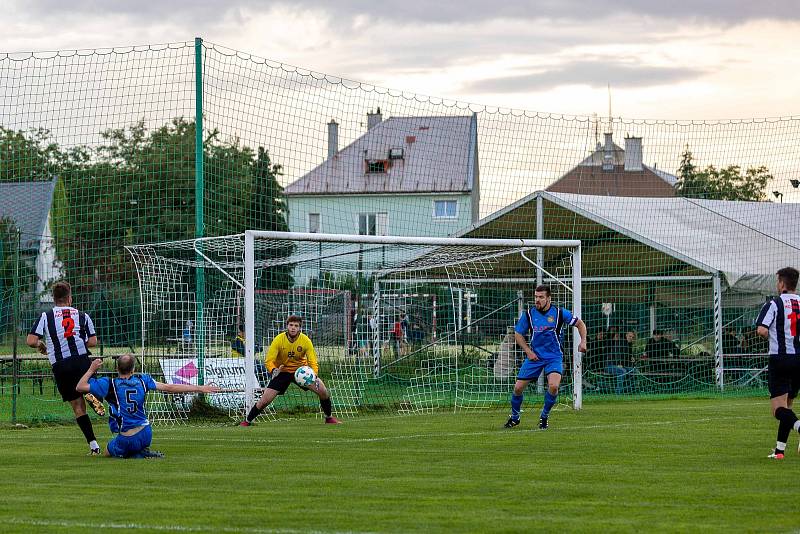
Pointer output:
x,y
445,209
377,166
373,223
314,223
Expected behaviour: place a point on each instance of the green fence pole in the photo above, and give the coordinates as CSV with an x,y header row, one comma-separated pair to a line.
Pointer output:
x,y
198,203
15,332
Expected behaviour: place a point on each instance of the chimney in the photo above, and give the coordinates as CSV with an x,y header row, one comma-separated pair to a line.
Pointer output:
x,y
633,153
374,119
333,138
608,153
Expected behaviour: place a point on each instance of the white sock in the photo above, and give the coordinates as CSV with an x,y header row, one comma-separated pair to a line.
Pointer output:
x,y
780,446
93,445
797,425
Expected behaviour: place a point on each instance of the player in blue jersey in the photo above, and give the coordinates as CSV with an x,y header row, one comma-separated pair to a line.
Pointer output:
x,y
543,351
126,395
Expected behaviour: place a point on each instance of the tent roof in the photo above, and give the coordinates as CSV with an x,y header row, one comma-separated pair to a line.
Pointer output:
x,y
745,241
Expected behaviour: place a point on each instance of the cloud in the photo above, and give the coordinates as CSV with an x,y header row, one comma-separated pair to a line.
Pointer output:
x,y
597,73
416,11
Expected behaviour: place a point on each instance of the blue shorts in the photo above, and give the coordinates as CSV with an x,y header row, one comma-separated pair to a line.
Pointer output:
x,y
127,446
531,369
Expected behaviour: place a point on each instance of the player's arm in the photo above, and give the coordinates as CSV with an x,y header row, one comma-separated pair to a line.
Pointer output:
x,y
765,319
272,354
34,342
34,339
311,355
186,388
581,326
83,384
520,330
523,344
91,340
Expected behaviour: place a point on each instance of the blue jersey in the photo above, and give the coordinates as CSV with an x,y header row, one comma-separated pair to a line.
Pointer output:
x,y
546,329
125,397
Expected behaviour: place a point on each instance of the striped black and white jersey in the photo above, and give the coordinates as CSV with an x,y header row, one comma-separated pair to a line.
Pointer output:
x,y
781,316
65,331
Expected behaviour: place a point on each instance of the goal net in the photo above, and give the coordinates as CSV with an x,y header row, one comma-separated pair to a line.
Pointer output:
x,y
399,324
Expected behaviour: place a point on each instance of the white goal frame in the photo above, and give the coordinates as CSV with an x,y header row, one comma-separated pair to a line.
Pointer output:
x,y
249,284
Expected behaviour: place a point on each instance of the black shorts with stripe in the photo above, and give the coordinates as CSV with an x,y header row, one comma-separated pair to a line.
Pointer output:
x,y
68,373
784,375
281,382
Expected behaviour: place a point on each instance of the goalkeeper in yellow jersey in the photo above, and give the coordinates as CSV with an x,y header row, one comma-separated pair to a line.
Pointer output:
x,y
289,351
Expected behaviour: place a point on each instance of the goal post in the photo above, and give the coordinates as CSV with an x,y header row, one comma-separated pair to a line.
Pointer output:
x,y
399,324
570,280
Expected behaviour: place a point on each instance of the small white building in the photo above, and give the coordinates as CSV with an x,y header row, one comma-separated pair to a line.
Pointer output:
x,y
27,205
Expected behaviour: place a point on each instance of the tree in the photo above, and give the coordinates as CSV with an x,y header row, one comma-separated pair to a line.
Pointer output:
x,y
721,184
268,211
26,157
138,186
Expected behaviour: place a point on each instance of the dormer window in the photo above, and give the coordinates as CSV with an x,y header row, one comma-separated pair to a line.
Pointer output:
x,y
377,166
395,153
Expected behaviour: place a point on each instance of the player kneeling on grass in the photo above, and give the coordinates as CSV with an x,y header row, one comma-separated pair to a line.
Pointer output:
x,y
126,394
288,352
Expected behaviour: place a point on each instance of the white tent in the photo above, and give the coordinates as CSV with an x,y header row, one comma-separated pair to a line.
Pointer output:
x,y
736,247
747,242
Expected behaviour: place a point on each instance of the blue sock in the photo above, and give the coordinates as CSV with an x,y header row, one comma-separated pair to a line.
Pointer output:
x,y
549,401
516,405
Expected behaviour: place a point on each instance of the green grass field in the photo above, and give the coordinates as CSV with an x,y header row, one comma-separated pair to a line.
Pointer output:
x,y
673,465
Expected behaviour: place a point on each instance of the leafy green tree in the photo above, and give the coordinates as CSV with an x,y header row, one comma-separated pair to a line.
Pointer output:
x,y
138,186
267,210
267,207
26,157
727,183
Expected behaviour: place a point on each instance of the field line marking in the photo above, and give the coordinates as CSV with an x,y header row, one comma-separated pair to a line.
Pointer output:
x,y
144,526
499,430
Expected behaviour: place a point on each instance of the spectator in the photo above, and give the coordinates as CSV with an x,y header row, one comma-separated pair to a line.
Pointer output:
x,y
404,324
630,338
619,354
752,343
238,351
655,346
730,341
188,330
397,337
671,347
597,351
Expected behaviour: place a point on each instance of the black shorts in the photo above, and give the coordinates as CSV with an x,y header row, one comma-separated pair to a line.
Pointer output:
x,y
784,375
281,382
68,373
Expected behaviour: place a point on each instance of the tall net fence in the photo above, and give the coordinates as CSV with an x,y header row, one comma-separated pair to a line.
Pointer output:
x,y
100,149
397,328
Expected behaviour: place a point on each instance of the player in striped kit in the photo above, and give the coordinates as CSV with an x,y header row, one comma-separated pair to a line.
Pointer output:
x,y
65,335
778,322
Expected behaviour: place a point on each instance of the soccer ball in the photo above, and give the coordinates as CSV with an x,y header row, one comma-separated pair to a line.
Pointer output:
x,y
305,376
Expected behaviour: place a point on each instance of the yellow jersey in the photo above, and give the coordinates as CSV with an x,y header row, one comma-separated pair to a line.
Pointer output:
x,y
291,355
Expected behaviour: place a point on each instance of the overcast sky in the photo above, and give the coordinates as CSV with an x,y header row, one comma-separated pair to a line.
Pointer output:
x,y
678,59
